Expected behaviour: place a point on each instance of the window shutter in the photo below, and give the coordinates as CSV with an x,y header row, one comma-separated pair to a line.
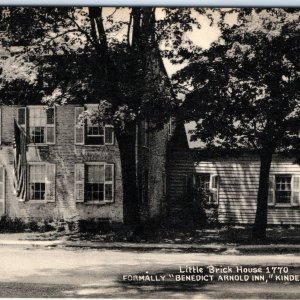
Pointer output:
x,y
214,189
79,182
109,182
109,134
2,183
295,201
50,182
79,129
271,195
22,117
50,129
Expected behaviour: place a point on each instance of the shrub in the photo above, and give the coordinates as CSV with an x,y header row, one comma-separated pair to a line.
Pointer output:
x,y
8,224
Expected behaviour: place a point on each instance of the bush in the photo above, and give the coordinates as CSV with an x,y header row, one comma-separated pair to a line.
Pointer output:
x,y
8,224
94,226
14,225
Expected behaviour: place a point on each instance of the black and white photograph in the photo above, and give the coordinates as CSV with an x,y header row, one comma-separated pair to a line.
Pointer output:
x,y
149,152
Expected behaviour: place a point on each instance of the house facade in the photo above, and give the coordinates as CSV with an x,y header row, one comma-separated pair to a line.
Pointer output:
x,y
53,168
223,189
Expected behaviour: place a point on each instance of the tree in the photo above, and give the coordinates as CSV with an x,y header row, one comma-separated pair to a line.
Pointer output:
x,y
243,92
91,54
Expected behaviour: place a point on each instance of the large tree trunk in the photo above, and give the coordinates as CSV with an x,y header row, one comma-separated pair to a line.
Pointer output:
x,y
260,225
127,144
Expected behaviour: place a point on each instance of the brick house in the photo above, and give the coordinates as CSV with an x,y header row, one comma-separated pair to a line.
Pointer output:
x,y
52,169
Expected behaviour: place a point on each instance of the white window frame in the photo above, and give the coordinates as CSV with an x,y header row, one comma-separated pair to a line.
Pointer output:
x,y
295,190
214,184
32,107
47,182
30,164
112,182
85,129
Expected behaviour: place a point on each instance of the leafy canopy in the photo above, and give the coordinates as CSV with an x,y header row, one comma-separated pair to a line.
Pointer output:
x,y
80,54
243,92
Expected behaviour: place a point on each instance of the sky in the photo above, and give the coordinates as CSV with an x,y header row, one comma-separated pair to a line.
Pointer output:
x,y
201,37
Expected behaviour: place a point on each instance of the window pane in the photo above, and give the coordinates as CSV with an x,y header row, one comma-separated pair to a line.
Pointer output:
x,y
95,140
108,192
202,181
95,173
283,189
37,191
37,134
37,173
95,192
95,129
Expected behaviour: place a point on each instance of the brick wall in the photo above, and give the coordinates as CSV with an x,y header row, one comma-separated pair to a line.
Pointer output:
x,y
65,154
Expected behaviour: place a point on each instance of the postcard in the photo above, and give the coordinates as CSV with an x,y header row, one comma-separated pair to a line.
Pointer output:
x,y
149,152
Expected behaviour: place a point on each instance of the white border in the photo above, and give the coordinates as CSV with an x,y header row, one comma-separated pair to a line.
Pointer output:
x,y
206,3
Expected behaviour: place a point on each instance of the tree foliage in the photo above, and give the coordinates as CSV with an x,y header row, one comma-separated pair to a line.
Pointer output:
x,y
243,92
96,53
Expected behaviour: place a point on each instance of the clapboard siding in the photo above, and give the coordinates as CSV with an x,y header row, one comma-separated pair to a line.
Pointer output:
x,y
238,184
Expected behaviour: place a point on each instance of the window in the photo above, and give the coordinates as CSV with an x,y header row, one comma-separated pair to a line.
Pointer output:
x,y
41,182
284,190
94,182
41,127
92,133
37,182
206,187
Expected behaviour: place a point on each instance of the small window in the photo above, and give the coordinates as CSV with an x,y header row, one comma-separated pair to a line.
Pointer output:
x,y
283,188
207,188
94,182
202,183
92,133
41,125
41,182
37,182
